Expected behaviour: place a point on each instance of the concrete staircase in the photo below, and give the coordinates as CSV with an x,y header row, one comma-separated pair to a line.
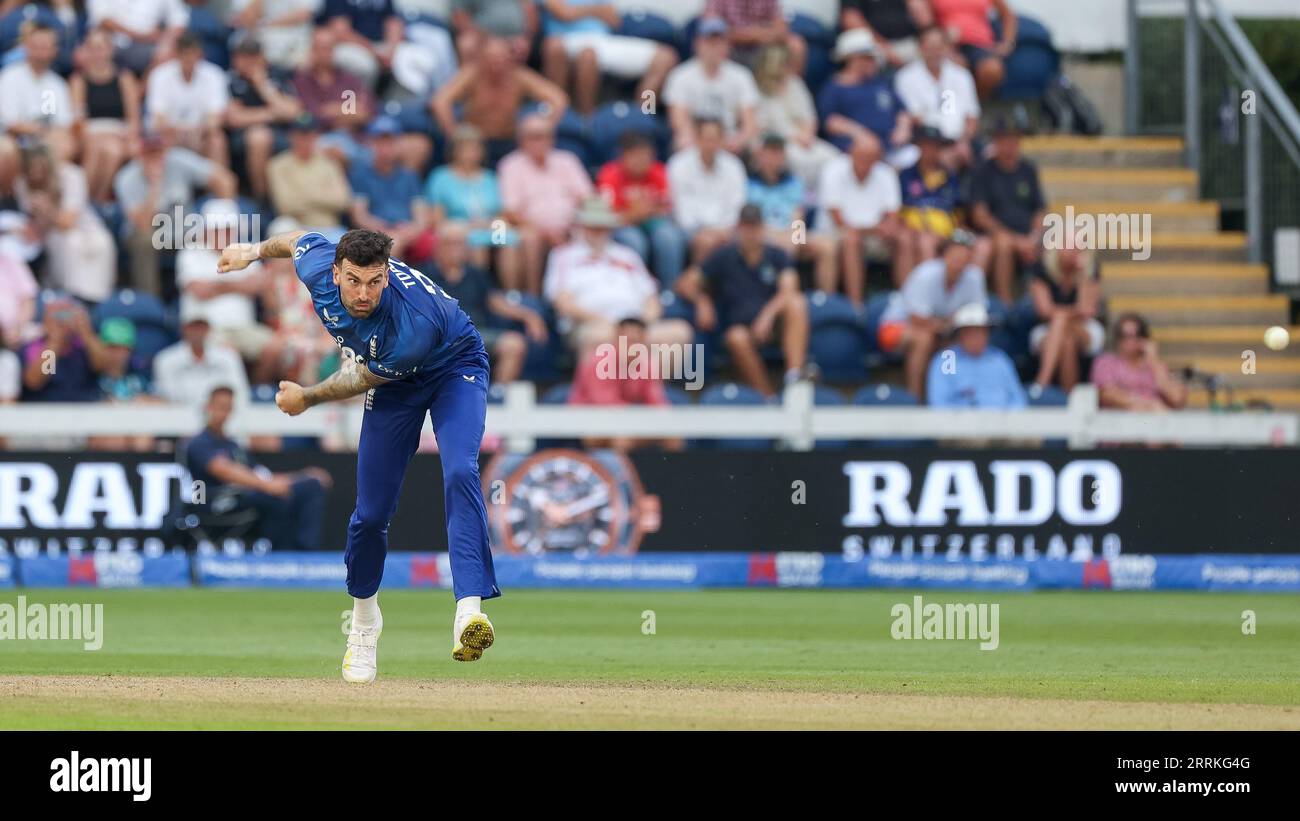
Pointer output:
x,y
1206,304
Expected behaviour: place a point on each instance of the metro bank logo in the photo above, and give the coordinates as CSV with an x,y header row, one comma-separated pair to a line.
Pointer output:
x,y
1096,573
81,571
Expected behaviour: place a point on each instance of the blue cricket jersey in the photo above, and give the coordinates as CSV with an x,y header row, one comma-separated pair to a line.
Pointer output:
x,y
415,330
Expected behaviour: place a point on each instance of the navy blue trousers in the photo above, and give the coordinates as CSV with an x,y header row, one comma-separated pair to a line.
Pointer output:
x,y
456,398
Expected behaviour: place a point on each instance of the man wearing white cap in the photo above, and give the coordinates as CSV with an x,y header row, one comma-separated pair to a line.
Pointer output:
x,y
934,290
971,373
187,372
595,283
859,100
711,86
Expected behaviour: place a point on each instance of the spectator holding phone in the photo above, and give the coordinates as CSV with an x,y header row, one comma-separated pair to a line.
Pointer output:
x,y
1132,376
64,363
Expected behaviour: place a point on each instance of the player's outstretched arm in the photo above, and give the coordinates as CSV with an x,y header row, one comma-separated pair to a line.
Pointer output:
x,y
293,398
240,255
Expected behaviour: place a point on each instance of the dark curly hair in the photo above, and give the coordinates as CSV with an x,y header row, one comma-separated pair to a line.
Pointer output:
x,y
363,248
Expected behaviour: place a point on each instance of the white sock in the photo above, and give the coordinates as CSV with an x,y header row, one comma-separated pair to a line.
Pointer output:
x,y
365,612
468,606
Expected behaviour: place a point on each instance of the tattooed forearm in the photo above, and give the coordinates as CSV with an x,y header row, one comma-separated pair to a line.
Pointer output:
x,y
344,383
280,245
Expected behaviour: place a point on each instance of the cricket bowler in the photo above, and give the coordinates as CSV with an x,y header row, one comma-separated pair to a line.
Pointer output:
x,y
409,347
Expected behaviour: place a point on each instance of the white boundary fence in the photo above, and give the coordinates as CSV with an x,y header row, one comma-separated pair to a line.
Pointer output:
x,y
795,422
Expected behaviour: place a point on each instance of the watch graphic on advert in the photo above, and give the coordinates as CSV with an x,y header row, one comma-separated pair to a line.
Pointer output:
x,y
563,501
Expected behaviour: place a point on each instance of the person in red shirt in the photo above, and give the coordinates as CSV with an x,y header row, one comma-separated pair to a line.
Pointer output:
x,y
967,22
621,374
636,186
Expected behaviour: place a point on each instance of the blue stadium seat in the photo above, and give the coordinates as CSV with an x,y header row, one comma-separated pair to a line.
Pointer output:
x,y
154,326
676,308
686,39
678,396
839,351
734,395
496,394
1049,396
810,29
882,395
837,343
1001,334
137,306
649,26
611,121
1034,63
262,394
556,394
827,397
825,308
870,319
818,65
885,395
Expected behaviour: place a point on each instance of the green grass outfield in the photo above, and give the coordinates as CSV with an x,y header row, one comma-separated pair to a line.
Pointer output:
x,y
781,647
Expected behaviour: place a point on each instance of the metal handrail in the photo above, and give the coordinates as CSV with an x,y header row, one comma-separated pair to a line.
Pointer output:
x,y
1244,62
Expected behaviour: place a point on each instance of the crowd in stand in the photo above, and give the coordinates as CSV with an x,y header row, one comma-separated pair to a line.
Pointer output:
x,y
139,137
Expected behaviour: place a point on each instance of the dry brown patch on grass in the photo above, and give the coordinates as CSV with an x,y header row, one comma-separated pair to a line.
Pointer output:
x,y
68,702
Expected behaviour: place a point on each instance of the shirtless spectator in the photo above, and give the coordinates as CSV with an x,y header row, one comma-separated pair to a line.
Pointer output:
x,y
492,90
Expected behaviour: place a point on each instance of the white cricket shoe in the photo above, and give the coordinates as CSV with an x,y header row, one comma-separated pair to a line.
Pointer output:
x,y
471,634
360,662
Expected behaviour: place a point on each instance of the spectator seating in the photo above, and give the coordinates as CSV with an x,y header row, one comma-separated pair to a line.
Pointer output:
x,y
1046,397
883,395
820,38
731,393
837,344
154,327
651,26
678,396
1034,63
828,397
609,122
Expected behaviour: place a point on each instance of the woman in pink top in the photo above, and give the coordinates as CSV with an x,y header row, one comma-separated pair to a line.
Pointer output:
x,y
968,25
1131,376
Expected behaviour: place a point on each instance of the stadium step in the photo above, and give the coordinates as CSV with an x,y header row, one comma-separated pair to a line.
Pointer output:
x,y
1096,152
1225,246
1184,342
1277,398
1155,278
1166,217
1272,370
1259,310
1153,184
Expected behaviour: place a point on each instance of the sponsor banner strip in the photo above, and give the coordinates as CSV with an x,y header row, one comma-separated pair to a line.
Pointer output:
x,y
683,571
793,569
105,570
